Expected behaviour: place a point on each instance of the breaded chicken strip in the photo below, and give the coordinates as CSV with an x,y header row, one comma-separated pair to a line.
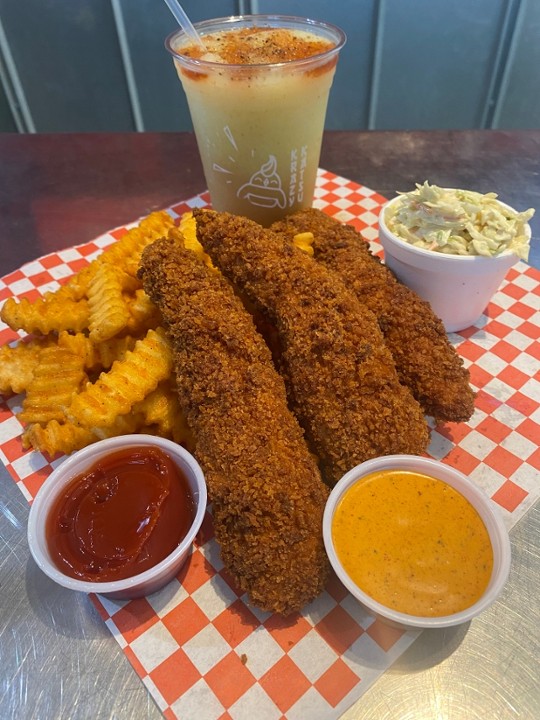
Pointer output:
x,y
341,378
267,494
425,359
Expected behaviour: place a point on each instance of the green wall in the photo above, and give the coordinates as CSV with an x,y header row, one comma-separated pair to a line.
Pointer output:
x,y
100,65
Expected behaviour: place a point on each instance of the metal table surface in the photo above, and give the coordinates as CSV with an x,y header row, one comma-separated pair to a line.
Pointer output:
x,y
58,658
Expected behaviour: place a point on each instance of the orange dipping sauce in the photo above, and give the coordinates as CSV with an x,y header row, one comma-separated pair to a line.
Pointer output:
x,y
412,543
122,516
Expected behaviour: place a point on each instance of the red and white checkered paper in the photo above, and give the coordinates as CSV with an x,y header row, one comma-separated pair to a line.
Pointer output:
x,y
201,650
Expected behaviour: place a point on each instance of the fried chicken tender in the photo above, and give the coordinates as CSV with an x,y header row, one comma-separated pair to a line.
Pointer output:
x,y
267,494
341,378
425,359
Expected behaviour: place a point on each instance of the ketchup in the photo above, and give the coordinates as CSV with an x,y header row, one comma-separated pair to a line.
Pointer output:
x,y
122,516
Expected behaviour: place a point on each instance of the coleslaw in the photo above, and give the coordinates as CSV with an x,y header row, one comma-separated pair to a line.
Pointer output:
x,y
459,222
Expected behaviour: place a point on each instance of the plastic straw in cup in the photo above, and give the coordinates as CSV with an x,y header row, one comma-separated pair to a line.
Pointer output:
x,y
184,22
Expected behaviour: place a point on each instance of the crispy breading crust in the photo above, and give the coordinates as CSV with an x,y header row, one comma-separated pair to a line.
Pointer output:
x,y
341,378
425,359
268,496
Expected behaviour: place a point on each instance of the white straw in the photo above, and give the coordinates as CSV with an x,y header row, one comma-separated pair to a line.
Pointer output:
x,y
184,22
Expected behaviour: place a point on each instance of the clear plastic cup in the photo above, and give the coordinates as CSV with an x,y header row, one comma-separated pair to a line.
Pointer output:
x,y
259,127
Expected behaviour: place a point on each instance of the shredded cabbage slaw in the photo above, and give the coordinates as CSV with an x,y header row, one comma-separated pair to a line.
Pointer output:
x,y
458,222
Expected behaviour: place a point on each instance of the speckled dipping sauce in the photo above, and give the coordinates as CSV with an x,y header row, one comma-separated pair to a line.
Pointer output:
x,y
413,543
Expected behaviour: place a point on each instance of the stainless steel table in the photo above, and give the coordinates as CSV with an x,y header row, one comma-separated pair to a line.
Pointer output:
x,y
57,657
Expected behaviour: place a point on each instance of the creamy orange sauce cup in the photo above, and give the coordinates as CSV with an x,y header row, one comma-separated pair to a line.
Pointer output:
x,y
458,489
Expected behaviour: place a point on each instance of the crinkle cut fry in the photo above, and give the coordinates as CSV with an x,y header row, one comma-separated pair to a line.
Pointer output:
x,y
55,311
127,382
60,437
161,409
67,308
425,359
108,309
100,355
17,363
57,377
143,313
267,494
342,380
56,437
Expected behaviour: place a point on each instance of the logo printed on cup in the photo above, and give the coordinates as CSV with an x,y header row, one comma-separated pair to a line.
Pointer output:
x,y
296,182
264,187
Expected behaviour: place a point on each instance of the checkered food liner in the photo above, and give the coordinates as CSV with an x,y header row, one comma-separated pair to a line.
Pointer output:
x,y
201,650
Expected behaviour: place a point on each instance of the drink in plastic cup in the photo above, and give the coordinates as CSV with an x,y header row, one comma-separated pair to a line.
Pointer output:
x,y
259,121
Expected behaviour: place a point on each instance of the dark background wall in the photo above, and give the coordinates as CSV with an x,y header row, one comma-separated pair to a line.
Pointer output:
x,y
100,65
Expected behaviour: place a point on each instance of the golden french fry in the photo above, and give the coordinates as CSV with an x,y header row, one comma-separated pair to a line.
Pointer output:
x,y
57,376
122,425
115,349
304,241
187,234
162,409
64,437
143,314
46,314
17,364
126,383
108,311
97,356
126,252
100,320
81,345
76,286
128,283
61,309
156,404
57,437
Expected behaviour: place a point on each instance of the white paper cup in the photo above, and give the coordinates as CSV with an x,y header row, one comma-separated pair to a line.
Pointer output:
x,y
146,582
493,522
458,287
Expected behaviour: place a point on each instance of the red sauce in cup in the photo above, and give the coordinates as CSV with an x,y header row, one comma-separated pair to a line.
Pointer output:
x,y
120,517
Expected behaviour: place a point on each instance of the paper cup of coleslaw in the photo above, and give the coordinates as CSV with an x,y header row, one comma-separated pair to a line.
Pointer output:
x,y
423,253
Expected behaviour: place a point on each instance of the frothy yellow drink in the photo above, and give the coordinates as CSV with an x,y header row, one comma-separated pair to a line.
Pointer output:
x,y
257,94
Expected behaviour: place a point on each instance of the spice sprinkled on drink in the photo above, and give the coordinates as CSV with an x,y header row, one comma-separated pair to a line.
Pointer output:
x,y
257,46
